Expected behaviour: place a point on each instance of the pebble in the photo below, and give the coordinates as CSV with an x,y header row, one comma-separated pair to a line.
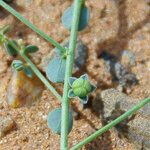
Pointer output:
x,y
112,103
6,124
128,58
22,90
80,56
119,73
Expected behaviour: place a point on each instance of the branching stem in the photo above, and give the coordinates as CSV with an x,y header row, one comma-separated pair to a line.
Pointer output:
x,y
32,26
35,70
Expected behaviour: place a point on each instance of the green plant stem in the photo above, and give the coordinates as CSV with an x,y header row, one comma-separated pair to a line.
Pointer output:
x,y
69,67
35,70
112,124
31,26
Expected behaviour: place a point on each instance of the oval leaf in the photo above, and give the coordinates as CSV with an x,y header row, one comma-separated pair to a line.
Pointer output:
x,y
10,50
54,121
27,70
30,49
18,65
55,70
68,15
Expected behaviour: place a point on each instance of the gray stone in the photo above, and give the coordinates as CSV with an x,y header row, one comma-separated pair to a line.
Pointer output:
x,y
118,72
113,103
128,58
80,56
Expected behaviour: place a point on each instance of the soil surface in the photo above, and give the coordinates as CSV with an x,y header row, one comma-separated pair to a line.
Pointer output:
x,y
115,25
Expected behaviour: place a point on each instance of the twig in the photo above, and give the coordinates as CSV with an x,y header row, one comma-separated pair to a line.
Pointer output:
x,y
112,124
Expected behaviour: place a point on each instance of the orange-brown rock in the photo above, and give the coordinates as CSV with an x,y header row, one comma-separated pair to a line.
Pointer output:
x,y
22,90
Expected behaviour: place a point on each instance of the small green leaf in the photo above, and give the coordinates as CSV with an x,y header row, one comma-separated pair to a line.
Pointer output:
x,y
93,87
27,70
30,49
54,121
68,15
71,80
55,70
71,94
85,77
10,50
18,65
84,100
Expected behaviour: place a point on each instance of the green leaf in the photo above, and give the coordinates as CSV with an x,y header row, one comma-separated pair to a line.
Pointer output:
x,y
27,70
71,80
30,49
71,94
54,121
55,70
18,65
93,87
85,77
68,15
84,100
10,50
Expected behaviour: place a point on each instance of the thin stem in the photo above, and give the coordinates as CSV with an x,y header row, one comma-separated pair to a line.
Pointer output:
x,y
112,124
35,70
41,77
69,67
31,26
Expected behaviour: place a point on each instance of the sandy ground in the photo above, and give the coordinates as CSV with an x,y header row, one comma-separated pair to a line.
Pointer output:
x,y
115,25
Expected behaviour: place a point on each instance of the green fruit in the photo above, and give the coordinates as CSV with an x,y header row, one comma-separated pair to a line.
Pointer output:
x,y
81,87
